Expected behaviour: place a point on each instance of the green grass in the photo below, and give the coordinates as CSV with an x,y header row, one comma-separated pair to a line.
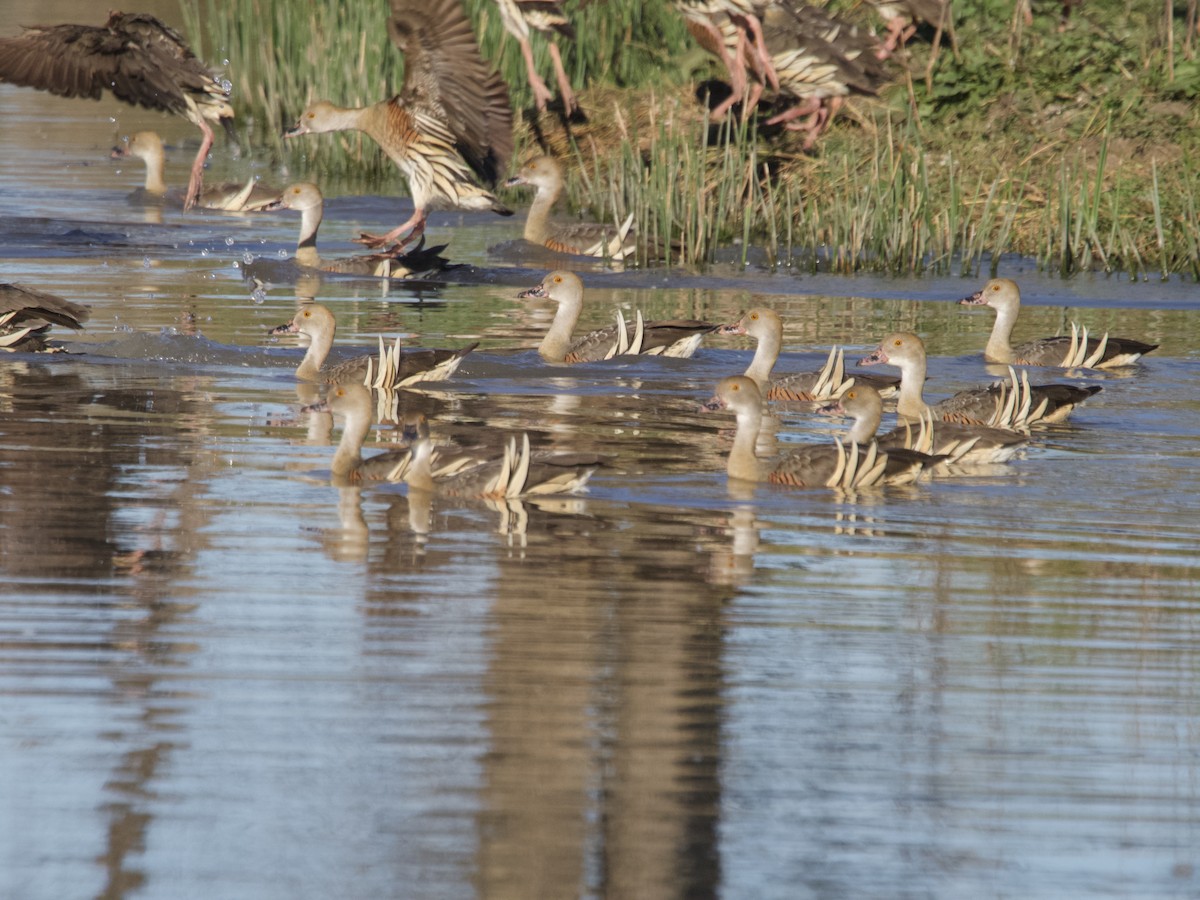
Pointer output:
x,y
1069,146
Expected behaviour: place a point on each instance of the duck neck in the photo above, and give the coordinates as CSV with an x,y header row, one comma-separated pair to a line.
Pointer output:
x,y
999,347
348,456
318,351
154,174
419,475
766,354
743,461
306,246
911,403
537,222
866,425
557,341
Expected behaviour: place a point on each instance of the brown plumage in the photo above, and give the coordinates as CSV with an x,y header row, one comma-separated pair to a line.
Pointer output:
x,y
677,338
136,57
26,315
389,369
451,117
596,239
974,406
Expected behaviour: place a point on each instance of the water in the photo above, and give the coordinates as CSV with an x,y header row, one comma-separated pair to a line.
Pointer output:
x,y
222,676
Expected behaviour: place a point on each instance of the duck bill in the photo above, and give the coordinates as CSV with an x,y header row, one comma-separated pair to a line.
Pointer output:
x,y
832,409
976,299
296,130
877,357
515,181
289,328
538,290
734,328
118,153
716,404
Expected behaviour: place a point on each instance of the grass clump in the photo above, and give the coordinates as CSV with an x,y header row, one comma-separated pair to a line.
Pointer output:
x,y
1068,144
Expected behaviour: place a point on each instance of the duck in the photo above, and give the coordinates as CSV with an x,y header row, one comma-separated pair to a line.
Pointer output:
x,y
518,472
1004,296
901,17
229,197
821,60
766,327
838,466
357,406
546,17
306,198
451,119
26,315
704,19
596,239
965,444
392,368
137,58
1011,404
674,337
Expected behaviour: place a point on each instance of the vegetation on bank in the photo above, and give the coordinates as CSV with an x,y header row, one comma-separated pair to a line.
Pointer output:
x,y
1075,145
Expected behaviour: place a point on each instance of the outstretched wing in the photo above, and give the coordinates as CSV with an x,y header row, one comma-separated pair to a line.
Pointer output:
x,y
446,77
137,57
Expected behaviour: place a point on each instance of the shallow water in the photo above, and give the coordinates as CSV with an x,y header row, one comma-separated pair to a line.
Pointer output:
x,y
222,676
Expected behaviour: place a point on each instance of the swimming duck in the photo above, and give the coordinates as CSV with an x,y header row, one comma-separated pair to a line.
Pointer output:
x,y
548,18
230,197
356,405
133,55
959,443
1003,295
392,368
596,239
1012,404
306,198
673,337
517,473
451,117
839,466
27,315
765,326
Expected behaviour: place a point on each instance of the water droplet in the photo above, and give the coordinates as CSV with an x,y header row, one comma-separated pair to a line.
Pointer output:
x,y
247,257
228,242
236,264
282,254
226,85
123,329
259,295
145,262
204,252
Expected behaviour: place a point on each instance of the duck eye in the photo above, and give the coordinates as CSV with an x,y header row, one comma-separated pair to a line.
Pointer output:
x,y
995,287
897,342
558,279
754,318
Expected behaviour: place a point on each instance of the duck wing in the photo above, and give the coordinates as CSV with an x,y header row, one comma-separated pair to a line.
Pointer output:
x,y
447,78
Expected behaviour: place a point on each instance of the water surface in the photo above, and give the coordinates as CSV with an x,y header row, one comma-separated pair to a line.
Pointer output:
x,y
222,676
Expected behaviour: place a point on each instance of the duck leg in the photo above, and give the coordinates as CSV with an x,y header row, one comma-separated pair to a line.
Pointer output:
x,y
541,93
196,181
570,104
753,24
411,228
